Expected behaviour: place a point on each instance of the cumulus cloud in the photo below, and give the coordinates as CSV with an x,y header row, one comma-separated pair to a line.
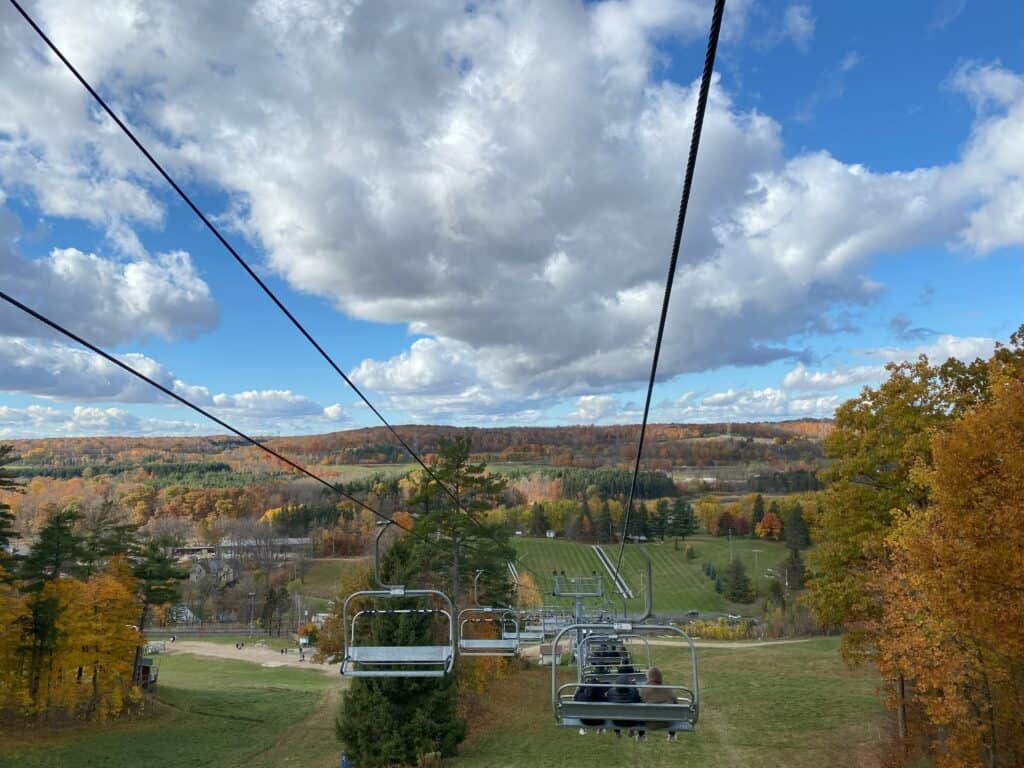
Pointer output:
x,y
62,373
591,409
965,348
501,178
37,420
803,380
109,301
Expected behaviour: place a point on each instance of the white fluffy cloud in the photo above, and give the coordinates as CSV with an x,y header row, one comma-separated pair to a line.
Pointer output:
x,y
107,300
501,177
37,420
803,380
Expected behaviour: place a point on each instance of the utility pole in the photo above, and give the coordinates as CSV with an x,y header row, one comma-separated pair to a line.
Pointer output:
x,y
756,553
252,611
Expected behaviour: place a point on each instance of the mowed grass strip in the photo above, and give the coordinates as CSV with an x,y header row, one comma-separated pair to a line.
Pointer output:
x,y
207,712
793,705
679,584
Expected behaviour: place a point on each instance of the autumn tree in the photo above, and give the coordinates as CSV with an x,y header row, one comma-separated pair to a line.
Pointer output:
x,y
953,605
707,509
7,530
770,527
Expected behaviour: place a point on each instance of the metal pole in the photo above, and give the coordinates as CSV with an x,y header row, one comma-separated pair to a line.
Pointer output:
x,y
252,611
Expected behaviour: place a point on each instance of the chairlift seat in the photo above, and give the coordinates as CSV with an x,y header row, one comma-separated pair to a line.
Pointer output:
x,y
675,717
489,647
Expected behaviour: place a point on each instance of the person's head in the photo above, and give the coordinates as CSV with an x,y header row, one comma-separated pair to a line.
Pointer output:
x,y
654,676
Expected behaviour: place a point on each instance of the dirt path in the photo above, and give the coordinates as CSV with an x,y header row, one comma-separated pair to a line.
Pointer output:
x,y
267,657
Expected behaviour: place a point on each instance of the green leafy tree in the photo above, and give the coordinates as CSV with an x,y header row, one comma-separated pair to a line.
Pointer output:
x,y
795,529
736,584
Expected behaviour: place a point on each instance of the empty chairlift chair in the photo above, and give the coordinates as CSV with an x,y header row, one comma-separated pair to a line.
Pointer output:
x,y
367,656
488,632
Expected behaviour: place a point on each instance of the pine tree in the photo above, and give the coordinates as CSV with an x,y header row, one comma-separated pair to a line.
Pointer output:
x,y
659,520
58,549
756,515
639,525
603,524
538,523
736,584
795,529
794,568
682,522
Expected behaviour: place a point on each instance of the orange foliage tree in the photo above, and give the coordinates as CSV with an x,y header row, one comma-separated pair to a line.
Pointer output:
x,y
954,602
770,527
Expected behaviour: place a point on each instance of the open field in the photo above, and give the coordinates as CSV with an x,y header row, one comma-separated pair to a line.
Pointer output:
x,y
781,704
346,473
324,575
679,584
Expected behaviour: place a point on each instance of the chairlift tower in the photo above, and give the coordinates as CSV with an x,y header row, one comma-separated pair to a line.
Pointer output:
x,y
578,588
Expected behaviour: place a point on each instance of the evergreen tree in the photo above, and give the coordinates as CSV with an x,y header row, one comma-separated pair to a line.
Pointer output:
x,y
638,523
682,522
795,529
794,568
776,594
59,549
659,520
538,523
396,721
756,515
773,509
603,524
572,526
7,531
737,587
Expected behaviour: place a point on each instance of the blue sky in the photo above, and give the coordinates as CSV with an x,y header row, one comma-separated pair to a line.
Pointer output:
x,y
471,208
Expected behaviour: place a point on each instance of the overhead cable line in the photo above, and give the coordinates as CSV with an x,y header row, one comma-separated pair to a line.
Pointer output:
x,y
691,161
234,253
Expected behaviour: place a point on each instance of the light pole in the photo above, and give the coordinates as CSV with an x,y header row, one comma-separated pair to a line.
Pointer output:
x,y
252,611
756,553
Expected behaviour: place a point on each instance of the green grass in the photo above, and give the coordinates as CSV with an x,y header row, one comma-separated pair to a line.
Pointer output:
x,y
324,575
207,712
679,584
346,473
793,705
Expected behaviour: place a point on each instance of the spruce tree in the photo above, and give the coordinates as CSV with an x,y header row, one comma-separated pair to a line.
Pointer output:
x,y
795,529
682,522
659,520
603,524
795,572
736,583
538,523
59,549
756,515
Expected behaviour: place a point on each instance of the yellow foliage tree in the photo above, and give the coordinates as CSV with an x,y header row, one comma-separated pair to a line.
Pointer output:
x,y
13,694
953,622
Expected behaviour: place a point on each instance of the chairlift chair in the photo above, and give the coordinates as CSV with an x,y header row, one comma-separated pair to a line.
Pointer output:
x,y
364,659
678,717
506,626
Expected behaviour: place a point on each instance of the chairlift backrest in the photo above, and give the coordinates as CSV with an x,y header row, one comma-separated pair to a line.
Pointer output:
x,y
378,660
506,626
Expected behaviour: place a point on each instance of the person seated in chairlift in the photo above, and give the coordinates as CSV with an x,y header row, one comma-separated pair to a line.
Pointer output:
x,y
625,692
657,696
590,693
